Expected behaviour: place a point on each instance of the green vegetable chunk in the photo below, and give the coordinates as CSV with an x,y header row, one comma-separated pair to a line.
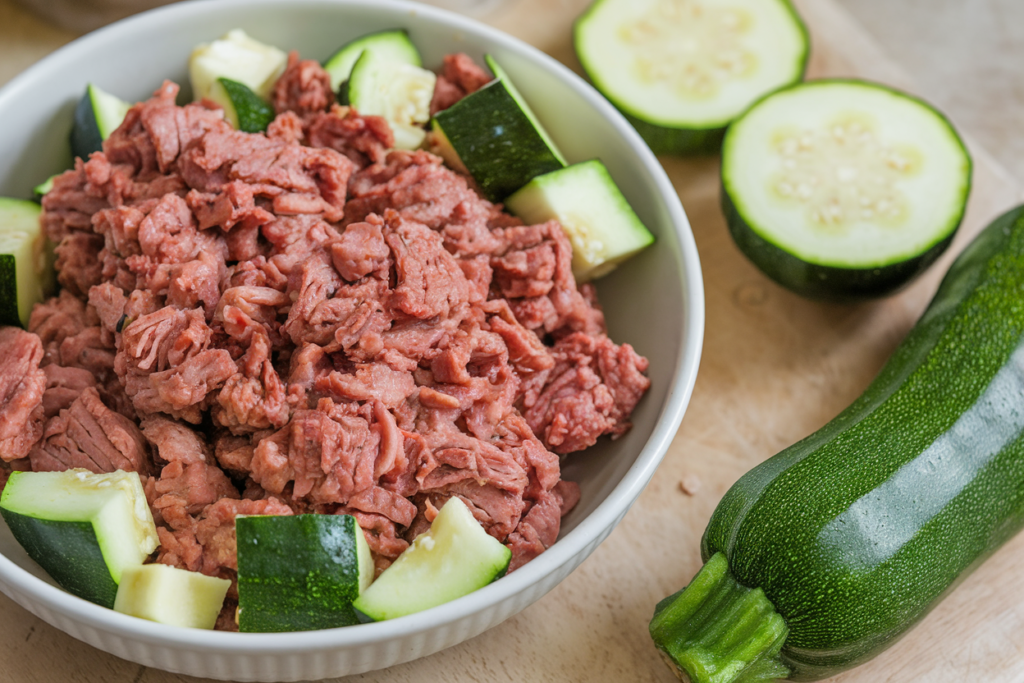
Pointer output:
x,y
26,258
601,225
168,595
494,136
393,45
454,558
855,533
300,573
97,115
84,529
243,109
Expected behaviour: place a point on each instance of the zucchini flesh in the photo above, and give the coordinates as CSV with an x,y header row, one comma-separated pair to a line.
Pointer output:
x,y
454,558
238,57
168,595
97,115
84,529
393,45
26,273
843,189
494,136
602,227
301,572
681,70
856,532
398,91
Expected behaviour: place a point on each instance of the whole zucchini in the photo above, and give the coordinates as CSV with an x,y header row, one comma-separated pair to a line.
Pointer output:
x,y
824,555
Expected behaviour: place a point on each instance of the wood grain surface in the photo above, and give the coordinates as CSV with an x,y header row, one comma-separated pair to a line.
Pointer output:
x,y
775,368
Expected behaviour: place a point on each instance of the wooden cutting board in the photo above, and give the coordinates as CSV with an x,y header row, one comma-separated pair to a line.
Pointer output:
x,y
775,368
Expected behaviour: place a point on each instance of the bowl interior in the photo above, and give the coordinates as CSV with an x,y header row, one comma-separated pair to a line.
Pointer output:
x,y
654,301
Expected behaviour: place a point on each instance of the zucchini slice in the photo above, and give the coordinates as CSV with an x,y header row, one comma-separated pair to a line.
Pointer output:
x,y
396,90
301,572
454,558
97,115
168,595
238,57
681,70
600,223
394,45
494,136
26,273
84,529
842,189
243,109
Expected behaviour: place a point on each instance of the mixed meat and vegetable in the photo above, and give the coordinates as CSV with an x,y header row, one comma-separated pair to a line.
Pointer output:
x,y
305,320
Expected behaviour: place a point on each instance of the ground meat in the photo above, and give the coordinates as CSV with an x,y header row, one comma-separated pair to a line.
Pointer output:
x,y
303,88
459,77
306,321
22,383
88,434
363,139
590,391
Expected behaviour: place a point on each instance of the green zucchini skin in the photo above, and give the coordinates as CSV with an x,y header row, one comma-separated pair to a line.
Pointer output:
x,y
85,134
859,530
499,144
821,282
69,552
297,573
683,141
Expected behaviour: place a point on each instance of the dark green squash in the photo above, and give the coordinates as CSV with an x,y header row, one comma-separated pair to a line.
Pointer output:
x,y
855,533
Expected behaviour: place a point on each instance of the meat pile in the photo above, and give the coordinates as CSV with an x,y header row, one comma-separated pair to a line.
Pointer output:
x,y
304,321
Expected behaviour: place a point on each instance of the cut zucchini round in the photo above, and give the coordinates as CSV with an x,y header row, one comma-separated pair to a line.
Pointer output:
x,y
843,189
301,572
494,136
601,225
26,273
168,595
243,109
97,115
681,70
84,529
397,91
393,45
454,558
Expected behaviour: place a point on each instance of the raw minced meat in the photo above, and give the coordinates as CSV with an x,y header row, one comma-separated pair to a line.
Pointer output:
x,y
304,321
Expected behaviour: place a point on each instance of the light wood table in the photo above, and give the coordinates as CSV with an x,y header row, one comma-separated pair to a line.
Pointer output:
x,y
775,368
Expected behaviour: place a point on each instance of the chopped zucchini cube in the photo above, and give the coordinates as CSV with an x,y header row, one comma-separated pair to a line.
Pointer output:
x,y
97,115
301,572
84,529
494,136
238,57
600,224
26,258
168,595
243,109
454,558
394,45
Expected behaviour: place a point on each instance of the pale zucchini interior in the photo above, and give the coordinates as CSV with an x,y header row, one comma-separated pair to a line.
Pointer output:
x,y
846,174
399,92
690,63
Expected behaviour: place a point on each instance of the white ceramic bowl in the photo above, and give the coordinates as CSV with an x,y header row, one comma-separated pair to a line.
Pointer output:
x,y
655,302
